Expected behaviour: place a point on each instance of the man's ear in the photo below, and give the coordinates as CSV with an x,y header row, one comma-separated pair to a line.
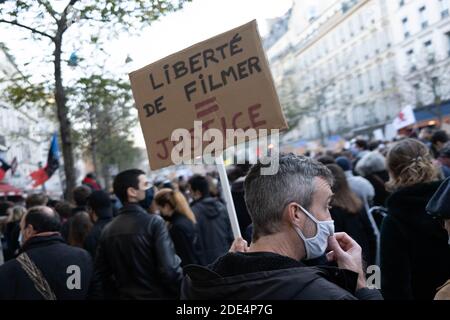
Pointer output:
x,y
293,213
29,230
131,192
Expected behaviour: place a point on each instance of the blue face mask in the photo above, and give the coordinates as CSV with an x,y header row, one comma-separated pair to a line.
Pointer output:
x,y
147,202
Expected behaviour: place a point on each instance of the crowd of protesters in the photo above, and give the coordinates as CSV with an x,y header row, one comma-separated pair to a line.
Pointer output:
x,y
309,231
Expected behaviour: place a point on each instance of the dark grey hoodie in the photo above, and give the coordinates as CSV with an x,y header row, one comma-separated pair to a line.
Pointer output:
x,y
214,229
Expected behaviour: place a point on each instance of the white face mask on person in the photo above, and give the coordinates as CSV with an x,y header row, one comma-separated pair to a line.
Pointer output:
x,y
317,245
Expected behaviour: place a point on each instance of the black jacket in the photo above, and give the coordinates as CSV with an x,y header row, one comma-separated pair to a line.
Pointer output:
x,y
214,228
53,257
184,236
91,241
378,179
136,257
415,255
263,275
359,228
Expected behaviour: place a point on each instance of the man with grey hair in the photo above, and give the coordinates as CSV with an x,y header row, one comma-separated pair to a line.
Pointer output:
x,y
291,223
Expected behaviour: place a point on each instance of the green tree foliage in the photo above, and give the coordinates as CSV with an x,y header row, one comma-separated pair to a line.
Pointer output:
x,y
103,113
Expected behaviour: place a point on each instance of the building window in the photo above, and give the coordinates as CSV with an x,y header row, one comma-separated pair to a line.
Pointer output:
x,y
361,21
410,57
429,51
444,8
380,76
370,80
360,84
423,17
417,92
405,27
448,41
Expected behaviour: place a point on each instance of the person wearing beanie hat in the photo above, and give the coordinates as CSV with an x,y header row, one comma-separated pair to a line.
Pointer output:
x,y
359,185
438,207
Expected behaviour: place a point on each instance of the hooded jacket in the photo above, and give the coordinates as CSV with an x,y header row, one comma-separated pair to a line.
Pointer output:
x,y
215,235
264,275
415,255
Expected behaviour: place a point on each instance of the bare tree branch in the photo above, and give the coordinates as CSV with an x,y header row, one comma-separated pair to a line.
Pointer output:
x,y
71,3
62,23
49,9
33,30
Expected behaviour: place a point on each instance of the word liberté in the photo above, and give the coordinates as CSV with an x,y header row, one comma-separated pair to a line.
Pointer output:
x,y
199,62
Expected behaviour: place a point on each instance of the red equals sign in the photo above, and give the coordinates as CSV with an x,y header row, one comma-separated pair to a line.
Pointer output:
x,y
206,107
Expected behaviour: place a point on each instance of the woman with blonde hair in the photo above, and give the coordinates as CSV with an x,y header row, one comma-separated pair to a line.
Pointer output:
x,y
415,256
181,223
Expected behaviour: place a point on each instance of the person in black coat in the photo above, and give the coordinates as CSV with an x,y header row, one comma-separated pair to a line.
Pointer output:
x,y
415,256
135,256
100,211
181,223
67,272
214,226
350,216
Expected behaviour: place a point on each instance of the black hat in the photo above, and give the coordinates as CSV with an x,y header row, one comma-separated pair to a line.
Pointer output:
x,y
439,204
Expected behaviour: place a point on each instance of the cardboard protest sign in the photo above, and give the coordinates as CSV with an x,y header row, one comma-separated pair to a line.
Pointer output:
x,y
225,82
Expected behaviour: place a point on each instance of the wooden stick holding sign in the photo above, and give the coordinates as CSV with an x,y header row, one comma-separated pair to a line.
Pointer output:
x,y
228,197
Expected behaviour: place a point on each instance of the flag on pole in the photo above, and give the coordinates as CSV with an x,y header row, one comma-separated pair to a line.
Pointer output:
x,y
3,168
43,174
404,118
